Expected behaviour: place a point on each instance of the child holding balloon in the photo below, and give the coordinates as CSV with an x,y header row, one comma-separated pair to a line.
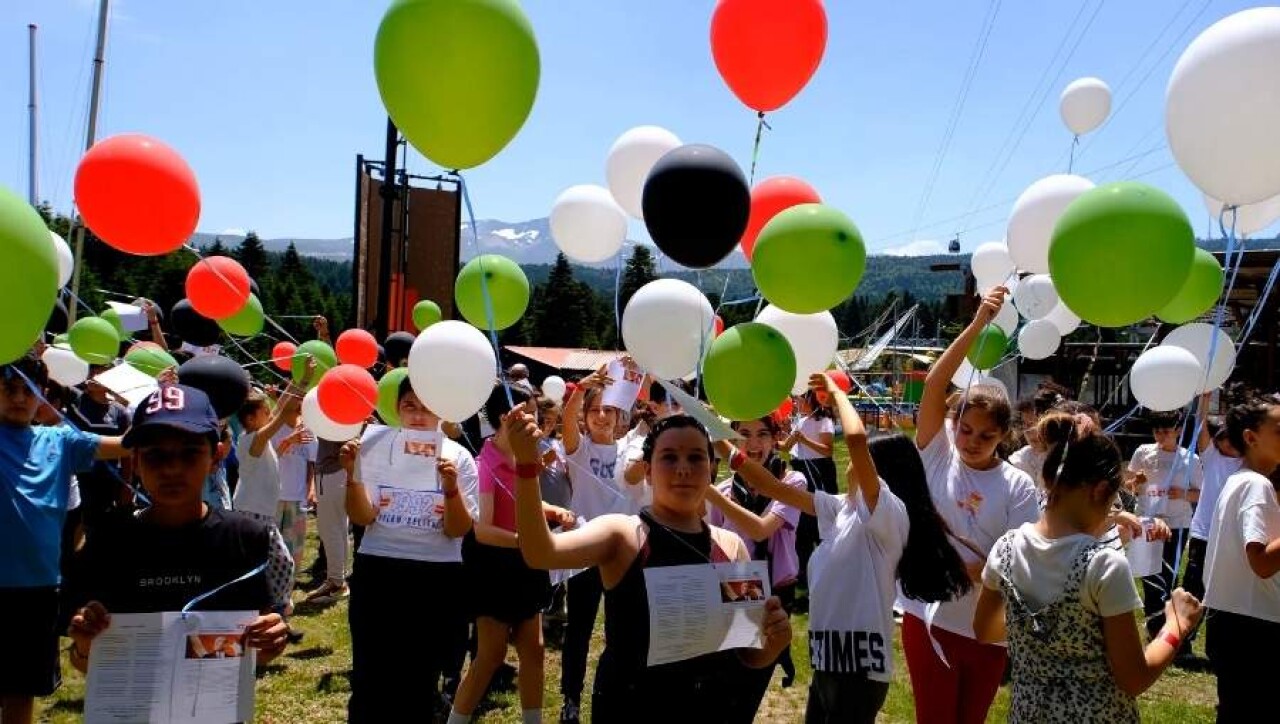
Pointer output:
x,y
980,497
810,444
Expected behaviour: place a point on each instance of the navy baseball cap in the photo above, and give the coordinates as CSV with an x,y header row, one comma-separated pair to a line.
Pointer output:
x,y
176,407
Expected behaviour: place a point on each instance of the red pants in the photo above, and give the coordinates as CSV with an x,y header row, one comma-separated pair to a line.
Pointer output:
x,y
960,694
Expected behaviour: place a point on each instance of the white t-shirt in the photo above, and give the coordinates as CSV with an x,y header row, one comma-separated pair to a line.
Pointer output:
x,y
1247,512
813,429
1159,466
595,472
293,464
1040,566
427,541
259,488
851,583
1031,462
979,505
1217,468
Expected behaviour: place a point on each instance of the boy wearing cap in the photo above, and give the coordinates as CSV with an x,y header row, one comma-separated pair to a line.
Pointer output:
x,y
179,548
36,465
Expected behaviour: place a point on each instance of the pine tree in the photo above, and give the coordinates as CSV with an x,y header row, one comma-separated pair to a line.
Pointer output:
x,y
561,319
217,248
639,271
252,255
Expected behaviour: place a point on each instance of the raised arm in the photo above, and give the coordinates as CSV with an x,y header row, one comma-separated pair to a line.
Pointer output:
x,y
1204,440
457,519
1136,668
756,527
359,508
763,481
933,402
862,470
572,431
291,400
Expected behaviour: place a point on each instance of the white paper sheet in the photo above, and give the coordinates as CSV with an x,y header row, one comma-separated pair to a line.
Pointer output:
x,y
401,466
1145,555
132,318
167,667
625,389
716,426
699,609
210,350
128,382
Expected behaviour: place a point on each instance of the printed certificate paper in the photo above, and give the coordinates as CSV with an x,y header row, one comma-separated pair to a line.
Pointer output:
x,y
401,466
625,389
700,609
1145,554
167,667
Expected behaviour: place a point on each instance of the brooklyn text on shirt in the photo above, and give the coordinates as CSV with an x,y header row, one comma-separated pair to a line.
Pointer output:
x,y
847,652
179,580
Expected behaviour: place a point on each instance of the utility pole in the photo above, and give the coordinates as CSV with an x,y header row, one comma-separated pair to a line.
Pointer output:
x,y
388,192
90,137
33,180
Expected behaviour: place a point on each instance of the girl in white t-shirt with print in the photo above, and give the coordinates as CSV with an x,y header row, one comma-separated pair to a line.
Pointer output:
x,y
980,496
810,444
885,529
1242,589
1063,594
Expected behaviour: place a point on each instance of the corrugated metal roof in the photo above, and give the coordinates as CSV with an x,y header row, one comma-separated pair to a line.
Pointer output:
x,y
566,358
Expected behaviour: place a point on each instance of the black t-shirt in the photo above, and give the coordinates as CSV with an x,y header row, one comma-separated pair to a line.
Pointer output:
x,y
133,566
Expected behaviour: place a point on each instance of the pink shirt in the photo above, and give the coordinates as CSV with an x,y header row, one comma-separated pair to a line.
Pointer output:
x,y
498,478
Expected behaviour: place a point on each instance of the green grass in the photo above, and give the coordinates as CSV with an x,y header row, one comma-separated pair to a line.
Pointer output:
x,y
309,683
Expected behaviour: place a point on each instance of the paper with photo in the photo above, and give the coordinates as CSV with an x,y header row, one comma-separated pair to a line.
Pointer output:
x,y
1144,553
625,389
699,609
399,458
207,351
172,667
716,426
128,382
132,318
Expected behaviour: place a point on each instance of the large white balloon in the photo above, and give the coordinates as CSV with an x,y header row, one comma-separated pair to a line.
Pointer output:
x,y
1222,108
554,388
1165,378
813,337
587,224
667,327
1034,214
452,368
1038,339
1006,319
991,263
1036,296
966,375
65,367
630,160
1197,338
1063,318
320,424
1085,103
66,260
1249,219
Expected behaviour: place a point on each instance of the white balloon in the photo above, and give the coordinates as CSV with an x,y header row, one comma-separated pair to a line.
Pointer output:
x,y
66,260
1196,338
453,369
1085,103
65,367
1034,214
1165,378
1249,219
1006,318
991,263
667,327
320,424
1063,318
630,160
1039,339
813,337
1222,108
1036,296
587,224
554,388
966,375
989,381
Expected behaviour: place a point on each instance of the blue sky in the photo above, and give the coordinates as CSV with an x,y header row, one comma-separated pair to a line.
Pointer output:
x,y
271,101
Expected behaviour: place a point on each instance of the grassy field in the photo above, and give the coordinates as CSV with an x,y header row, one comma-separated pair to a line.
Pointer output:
x,y
309,684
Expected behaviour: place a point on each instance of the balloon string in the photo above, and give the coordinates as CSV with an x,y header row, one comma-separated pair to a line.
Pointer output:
x,y
761,124
1232,256
1088,370
617,298
1071,159
484,285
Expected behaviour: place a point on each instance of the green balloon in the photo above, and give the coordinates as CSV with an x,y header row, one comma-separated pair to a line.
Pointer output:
x,y
94,340
28,275
808,259
247,322
506,284
325,360
1199,292
150,360
748,371
426,313
988,349
389,395
112,316
1120,253
458,77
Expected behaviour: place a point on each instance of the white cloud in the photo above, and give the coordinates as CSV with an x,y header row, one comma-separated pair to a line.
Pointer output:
x,y
923,247
233,232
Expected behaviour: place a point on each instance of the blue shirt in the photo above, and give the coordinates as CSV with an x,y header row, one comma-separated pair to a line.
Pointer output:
x,y
36,465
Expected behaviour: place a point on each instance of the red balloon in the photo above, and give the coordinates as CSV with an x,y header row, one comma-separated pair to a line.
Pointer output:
x,y
783,413
767,50
217,287
841,378
137,195
770,198
357,347
347,394
282,355
719,326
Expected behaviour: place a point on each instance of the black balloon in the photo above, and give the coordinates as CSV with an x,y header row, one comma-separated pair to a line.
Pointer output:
x,y
193,327
397,348
225,382
57,323
696,204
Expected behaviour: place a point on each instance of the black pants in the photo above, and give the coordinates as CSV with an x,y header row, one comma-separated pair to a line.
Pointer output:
x,y
844,699
1238,648
820,473
1156,589
385,662
760,679
585,592
1193,579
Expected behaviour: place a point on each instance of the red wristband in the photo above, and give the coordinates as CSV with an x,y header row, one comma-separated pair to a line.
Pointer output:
x,y
736,460
527,471
1171,638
